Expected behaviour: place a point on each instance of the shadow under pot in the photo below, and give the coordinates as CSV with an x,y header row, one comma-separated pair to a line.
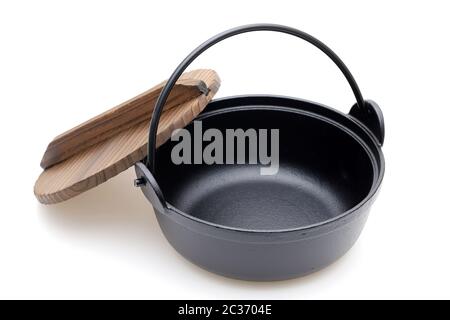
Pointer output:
x,y
231,220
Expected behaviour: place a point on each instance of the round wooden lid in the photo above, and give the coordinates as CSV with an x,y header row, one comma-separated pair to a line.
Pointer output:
x,y
90,154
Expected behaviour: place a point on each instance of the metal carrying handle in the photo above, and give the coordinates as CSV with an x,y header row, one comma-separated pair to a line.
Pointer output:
x,y
151,147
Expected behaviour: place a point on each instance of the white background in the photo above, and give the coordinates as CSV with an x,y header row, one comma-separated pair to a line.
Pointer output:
x,y
61,63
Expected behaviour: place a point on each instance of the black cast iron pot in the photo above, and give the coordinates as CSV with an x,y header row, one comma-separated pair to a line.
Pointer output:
x,y
233,221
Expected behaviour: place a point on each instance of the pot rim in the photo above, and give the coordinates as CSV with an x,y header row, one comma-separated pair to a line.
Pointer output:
x,y
372,151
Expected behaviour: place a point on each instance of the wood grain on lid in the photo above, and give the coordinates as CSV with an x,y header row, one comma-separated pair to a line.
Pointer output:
x,y
117,119
102,161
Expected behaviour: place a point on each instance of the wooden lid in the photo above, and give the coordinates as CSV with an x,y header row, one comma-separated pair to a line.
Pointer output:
x,y
99,149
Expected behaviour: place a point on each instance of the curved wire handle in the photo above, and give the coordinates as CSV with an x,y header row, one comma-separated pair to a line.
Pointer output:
x,y
151,147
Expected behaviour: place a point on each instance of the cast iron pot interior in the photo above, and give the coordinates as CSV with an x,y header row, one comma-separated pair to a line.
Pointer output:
x,y
323,172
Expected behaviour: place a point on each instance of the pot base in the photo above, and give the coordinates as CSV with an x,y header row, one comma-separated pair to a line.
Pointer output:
x,y
240,199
